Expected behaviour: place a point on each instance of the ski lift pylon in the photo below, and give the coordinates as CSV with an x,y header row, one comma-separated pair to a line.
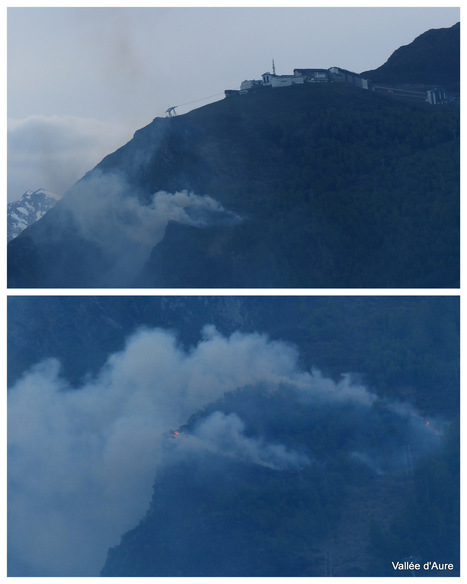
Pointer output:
x,y
170,112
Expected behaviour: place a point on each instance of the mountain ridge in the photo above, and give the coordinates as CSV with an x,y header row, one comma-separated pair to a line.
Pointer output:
x,y
331,184
432,59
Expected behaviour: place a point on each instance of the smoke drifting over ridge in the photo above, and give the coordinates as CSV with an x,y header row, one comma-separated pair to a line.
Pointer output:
x,y
81,463
224,434
110,213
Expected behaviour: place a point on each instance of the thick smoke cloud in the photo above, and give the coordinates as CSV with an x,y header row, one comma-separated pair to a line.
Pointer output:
x,y
81,462
110,213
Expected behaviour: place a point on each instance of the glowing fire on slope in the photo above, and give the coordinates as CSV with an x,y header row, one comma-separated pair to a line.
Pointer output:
x,y
427,424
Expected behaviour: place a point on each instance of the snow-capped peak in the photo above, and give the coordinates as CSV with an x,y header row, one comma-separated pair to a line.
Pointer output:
x,y
27,210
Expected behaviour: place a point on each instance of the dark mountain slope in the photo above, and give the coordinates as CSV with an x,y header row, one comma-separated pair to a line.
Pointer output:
x,y
215,514
321,186
432,59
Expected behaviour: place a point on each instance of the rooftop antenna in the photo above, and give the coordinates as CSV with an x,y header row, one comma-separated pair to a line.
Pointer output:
x,y
273,68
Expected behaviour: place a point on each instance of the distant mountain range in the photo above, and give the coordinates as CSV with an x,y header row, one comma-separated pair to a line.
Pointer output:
x,y
318,185
26,211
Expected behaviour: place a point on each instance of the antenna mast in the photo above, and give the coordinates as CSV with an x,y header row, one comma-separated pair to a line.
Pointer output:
x,y
273,68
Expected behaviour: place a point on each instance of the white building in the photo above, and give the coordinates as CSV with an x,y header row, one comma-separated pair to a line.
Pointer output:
x,y
301,76
343,76
436,96
272,80
312,75
249,83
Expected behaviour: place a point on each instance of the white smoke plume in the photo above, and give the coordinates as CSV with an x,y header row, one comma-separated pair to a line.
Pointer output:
x,y
325,390
224,434
109,213
81,462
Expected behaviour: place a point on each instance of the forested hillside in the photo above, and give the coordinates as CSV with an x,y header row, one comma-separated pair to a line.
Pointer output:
x,y
316,186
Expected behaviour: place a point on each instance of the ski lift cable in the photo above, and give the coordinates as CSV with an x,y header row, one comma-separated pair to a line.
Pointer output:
x,y
171,110
196,100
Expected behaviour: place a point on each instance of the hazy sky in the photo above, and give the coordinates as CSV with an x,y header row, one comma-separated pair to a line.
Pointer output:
x,y
82,80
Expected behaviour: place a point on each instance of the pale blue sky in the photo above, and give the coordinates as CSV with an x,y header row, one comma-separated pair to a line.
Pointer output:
x,y
82,80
